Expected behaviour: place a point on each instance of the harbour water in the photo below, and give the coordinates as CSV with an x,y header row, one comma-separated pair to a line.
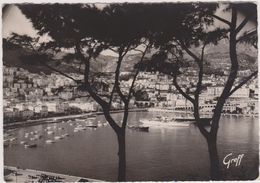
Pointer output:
x,y
158,155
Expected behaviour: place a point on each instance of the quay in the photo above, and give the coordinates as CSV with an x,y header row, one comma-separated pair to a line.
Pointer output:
x,y
171,110
13,175
59,118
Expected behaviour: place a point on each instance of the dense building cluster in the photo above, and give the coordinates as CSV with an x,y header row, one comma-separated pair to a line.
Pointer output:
x,y
161,92
30,95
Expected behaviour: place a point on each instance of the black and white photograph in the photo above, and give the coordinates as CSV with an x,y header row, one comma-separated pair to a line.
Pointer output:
x,y
124,92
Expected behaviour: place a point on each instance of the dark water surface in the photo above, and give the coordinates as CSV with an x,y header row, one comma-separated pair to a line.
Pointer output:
x,y
161,154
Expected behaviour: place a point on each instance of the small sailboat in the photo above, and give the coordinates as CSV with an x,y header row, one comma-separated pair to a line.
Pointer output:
x,y
139,128
38,136
65,135
30,145
57,137
50,132
49,141
92,118
22,142
91,124
80,128
32,139
12,139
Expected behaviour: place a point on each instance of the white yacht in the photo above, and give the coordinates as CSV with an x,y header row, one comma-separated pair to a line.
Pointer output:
x,y
163,122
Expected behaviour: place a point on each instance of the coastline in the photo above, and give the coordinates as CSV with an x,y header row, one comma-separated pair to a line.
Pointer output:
x,y
59,118
25,175
65,117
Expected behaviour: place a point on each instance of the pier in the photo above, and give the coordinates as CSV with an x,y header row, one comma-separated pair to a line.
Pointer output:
x,y
13,174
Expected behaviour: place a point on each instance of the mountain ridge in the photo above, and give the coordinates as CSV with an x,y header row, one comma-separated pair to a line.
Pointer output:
x,y
214,54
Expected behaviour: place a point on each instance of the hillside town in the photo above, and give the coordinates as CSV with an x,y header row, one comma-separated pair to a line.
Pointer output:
x,y
130,92
32,96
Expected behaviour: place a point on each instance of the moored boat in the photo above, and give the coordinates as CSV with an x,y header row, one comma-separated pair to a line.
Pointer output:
x,y
65,135
12,139
38,136
79,128
49,141
57,137
22,142
32,139
139,128
91,126
163,123
50,132
30,145
189,118
80,120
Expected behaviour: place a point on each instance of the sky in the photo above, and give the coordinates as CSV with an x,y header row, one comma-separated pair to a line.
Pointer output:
x,y
15,21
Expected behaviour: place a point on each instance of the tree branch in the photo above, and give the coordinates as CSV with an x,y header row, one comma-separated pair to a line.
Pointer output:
x,y
116,85
181,91
243,82
221,19
197,60
126,50
176,57
242,24
117,74
111,97
112,49
98,99
231,78
202,129
138,50
88,87
126,102
248,35
200,65
136,73
56,70
202,51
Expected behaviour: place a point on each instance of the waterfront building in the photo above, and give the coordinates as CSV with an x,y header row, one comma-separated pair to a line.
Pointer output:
x,y
26,114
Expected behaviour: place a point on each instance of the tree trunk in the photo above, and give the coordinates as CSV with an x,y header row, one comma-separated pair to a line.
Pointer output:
x,y
215,173
121,156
